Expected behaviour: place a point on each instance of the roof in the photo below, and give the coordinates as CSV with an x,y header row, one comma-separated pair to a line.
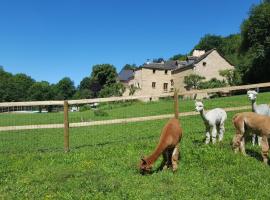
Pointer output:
x,y
191,61
168,65
125,74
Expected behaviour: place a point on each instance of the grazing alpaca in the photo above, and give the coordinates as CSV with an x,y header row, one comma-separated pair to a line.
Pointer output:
x,y
214,119
168,146
246,122
262,109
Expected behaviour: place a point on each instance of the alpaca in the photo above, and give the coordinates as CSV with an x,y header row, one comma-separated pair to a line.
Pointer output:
x,y
248,122
168,146
214,119
262,109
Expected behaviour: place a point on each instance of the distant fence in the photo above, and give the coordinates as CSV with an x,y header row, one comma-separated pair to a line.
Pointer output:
x,y
13,106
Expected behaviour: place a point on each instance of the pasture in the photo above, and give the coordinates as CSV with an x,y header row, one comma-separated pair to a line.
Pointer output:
x,y
103,160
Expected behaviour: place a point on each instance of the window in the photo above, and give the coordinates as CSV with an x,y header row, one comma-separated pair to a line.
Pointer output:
x,y
154,71
166,71
165,86
153,84
204,63
172,83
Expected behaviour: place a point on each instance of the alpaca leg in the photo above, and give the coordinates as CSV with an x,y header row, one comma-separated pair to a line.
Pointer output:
x,y
242,146
236,142
175,157
164,161
259,140
221,132
207,136
265,149
214,134
253,139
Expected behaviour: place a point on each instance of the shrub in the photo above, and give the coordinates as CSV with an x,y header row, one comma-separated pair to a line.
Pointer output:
x,y
100,113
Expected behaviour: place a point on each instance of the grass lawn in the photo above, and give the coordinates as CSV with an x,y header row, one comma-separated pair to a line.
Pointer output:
x,y
126,110
103,160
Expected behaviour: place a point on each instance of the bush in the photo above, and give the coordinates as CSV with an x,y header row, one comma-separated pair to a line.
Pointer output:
x,y
84,108
100,113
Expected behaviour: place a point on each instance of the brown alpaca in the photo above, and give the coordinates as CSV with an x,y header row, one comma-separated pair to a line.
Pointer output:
x,y
168,146
248,122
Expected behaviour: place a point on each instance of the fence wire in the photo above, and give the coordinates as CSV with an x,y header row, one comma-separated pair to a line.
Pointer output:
x,y
108,124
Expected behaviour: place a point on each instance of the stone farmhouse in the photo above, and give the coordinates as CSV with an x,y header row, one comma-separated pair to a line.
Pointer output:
x,y
160,78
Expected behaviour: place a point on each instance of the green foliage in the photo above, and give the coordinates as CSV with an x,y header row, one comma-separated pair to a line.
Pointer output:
x,y
116,89
193,81
104,81
130,67
64,89
14,87
213,83
232,76
132,89
83,94
209,42
180,57
100,113
40,91
103,162
104,74
256,43
85,108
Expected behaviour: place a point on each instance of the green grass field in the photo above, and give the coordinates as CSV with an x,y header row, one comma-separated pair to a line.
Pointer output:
x,y
103,160
126,110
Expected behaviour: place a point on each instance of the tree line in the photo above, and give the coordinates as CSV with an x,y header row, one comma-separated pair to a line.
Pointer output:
x,y
249,51
20,87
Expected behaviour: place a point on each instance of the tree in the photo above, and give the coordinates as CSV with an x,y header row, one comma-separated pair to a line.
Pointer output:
x,y
40,91
256,43
132,89
64,89
181,57
104,81
116,89
21,83
212,83
193,81
104,74
6,87
209,42
232,76
130,67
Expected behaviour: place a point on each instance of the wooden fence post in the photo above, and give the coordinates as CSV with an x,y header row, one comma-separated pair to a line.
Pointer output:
x,y
66,127
176,111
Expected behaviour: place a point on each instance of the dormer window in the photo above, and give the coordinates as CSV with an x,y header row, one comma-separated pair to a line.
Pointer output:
x,y
154,71
204,63
166,72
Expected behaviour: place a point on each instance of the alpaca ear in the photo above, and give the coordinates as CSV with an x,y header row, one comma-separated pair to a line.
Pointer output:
x,y
144,162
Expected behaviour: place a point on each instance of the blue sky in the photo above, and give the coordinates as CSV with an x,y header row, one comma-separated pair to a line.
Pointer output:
x,y
51,39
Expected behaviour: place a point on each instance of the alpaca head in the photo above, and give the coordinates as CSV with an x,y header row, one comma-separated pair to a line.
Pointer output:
x,y
144,167
252,94
198,106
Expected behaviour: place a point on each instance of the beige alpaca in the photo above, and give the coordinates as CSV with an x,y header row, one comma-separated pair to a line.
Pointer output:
x,y
247,123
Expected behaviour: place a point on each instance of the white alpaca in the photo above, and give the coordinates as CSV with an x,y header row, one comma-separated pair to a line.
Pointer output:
x,y
262,109
213,119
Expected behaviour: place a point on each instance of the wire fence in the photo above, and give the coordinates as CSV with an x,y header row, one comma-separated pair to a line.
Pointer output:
x,y
74,124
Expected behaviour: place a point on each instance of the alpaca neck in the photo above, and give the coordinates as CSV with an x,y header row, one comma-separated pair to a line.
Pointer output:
x,y
254,105
202,112
154,156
